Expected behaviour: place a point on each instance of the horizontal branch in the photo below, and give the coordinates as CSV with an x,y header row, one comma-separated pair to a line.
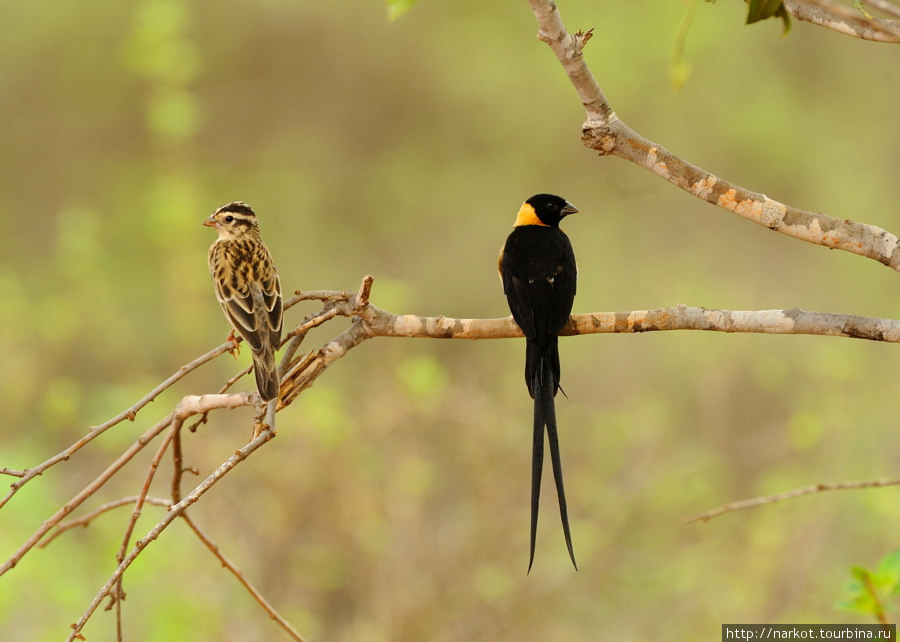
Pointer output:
x,y
372,322
380,323
606,133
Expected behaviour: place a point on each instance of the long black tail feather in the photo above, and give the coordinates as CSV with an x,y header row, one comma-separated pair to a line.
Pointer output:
x,y
537,467
553,438
542,374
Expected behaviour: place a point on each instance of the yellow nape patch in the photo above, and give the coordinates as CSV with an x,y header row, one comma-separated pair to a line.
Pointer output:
x,y
527,216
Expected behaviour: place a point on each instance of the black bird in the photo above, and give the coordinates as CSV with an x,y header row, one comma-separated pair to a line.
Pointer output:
x,y
537,267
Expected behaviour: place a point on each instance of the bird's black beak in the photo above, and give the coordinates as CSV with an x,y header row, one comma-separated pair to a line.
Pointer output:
x,y
568,208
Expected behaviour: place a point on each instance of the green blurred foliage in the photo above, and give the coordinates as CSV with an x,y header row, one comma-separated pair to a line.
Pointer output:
x,y
397,8
394,503
872,591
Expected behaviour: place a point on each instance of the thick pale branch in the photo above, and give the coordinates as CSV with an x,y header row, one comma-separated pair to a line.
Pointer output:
x,y
607,134
844,20
866,240
379,323
371,322
568,50
884,5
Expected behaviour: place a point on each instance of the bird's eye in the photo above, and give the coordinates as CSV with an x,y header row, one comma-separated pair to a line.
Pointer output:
x,y
229,218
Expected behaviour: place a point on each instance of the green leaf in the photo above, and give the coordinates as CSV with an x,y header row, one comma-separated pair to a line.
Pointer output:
x,y
786,21
859,7
890,565
860,600
859,573
397,8
888,574
762,9
680,69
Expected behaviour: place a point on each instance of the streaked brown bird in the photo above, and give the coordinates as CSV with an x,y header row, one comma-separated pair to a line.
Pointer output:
x,y
537,267
248,288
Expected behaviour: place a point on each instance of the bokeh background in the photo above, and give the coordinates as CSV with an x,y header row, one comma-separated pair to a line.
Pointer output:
x,y
394,503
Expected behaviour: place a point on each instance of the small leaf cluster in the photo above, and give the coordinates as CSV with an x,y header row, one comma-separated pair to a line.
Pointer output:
x,y
871,591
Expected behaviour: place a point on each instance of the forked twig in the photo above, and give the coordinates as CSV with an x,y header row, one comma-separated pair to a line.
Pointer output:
x,y
174,511
130,414
95,431
85,493
13,473
86,520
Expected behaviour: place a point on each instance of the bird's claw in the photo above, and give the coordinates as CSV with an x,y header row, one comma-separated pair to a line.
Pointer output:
x,y
235,348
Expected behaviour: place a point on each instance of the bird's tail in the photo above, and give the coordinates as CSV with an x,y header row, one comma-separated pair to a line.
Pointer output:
x,y
543,384
266,374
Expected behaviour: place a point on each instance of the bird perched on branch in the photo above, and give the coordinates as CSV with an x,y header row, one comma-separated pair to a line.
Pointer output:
x,y
248,288
537,267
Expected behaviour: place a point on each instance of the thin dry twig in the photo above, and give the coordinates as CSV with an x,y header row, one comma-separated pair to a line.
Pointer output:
x,y
130,414
13,473
791,494
118,594
192,404
95,431
607,134
175,510
86,520
85,493
246,583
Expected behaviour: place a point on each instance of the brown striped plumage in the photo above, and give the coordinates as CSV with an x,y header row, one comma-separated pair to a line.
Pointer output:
x,y
248,288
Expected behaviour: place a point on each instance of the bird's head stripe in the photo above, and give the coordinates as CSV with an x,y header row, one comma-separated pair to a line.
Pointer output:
x,y
237,207
243,220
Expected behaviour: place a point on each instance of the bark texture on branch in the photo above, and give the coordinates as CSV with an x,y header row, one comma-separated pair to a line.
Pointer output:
x,y
606,133
845,20
379,323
